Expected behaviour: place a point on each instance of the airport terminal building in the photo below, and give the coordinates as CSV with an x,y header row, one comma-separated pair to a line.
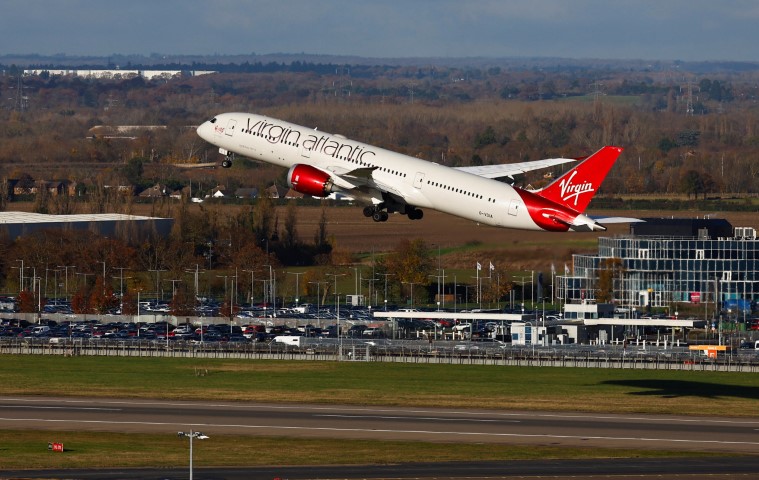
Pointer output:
x,y
667,261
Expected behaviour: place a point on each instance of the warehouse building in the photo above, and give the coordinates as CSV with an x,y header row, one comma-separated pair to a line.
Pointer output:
x,y
18,224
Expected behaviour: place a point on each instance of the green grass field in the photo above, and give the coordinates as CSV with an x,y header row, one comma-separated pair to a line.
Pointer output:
x,y
362,383
463,386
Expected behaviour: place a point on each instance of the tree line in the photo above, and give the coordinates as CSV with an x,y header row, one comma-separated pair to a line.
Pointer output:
x,y
491,117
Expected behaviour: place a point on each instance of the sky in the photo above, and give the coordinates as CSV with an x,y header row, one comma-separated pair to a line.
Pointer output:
x,y
688,30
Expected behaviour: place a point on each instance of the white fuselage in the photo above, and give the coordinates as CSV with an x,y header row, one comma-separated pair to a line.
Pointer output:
x,y
419,183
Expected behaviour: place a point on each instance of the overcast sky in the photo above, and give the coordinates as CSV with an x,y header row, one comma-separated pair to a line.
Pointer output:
x,y
610,29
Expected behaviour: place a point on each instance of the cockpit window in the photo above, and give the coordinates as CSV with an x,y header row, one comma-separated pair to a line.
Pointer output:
x,y
214,120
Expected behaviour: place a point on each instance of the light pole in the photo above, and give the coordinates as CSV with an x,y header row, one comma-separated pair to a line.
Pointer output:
x,y
252,282
272,285
522,282
157,281
337,306
440,277
412,291
173,287
318,300
196,272
66,273
85,275
386,275
192,435
55,284
455,294
439,296
103,262
263,295
21,276
370,284
297,285
121,284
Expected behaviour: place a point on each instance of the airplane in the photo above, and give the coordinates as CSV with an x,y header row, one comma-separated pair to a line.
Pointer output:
x,y
321,164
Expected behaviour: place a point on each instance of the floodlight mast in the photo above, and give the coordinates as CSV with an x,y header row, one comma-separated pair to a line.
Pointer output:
x,y
191,435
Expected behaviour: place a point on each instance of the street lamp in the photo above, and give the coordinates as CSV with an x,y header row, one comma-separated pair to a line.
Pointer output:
x,y
158,289
20,276
440,278
523,282
412,291
297,284
337,306
103,262
439,295
318,300
192,435
386,275
66,273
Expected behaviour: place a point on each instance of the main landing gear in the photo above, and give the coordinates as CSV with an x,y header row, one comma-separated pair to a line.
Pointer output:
x,y
414,213
227,162
379,214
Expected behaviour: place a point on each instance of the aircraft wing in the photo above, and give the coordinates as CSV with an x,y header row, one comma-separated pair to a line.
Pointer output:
x,y
511,169
347,178
360,179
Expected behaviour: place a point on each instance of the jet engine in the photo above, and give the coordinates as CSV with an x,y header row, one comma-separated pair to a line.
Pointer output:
x,y
309,180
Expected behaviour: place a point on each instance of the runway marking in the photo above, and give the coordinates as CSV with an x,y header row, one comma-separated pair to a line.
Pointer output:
x,y
49,407
385,417
378,430
463,413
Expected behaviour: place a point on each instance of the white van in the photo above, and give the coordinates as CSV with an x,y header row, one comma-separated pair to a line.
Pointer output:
x,y
39,329
293,340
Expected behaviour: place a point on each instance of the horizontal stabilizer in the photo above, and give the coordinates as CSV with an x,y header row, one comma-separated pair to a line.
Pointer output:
x,y
616,219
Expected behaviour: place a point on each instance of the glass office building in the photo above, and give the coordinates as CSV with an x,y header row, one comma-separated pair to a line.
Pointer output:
x,y
667,261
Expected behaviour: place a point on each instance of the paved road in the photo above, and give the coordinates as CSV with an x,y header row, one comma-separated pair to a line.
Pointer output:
x,y
713,434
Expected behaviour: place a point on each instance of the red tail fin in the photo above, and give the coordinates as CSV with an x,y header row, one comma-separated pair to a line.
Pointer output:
x,y
576,188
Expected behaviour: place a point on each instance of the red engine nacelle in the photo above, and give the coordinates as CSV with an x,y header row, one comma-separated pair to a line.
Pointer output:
x,y
309,180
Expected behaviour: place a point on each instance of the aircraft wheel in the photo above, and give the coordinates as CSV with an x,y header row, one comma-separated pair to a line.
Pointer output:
x,y
383,216
226,163
415,214
369,211
377,216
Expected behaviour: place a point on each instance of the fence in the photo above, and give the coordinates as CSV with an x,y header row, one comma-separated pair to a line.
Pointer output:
x,y
397,352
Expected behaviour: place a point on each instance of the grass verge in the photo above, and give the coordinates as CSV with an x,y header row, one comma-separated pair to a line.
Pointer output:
x,y
28,450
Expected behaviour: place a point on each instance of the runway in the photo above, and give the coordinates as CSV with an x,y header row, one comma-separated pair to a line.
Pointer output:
x,y
710,434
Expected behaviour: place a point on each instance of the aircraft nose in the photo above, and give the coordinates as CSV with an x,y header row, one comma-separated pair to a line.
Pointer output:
x,y
203,130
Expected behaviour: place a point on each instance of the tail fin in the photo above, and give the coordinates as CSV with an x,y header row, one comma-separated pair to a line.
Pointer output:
x,y
576,188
